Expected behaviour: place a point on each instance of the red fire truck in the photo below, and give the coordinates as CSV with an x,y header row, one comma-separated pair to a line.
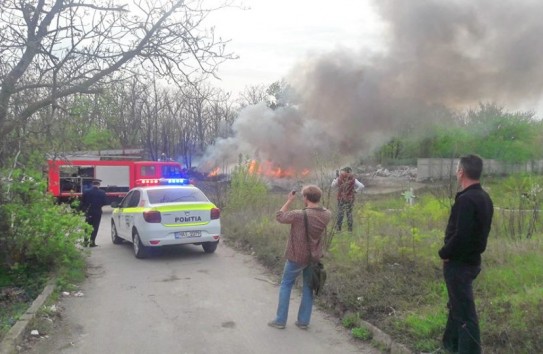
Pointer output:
x,y
68,179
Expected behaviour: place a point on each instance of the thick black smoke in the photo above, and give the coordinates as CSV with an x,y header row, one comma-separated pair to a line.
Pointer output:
x,y
441,55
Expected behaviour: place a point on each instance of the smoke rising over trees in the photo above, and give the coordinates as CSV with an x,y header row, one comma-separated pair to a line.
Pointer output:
x,y
442,58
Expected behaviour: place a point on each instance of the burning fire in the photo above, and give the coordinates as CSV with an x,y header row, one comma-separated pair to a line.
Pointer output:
x,y
268,169
214,173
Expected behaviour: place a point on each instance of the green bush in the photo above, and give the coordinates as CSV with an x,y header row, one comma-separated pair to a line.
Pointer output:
x,y
37,237
35,230
489,131
518,200
247,188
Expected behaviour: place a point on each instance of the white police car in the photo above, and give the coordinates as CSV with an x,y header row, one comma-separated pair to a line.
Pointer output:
x,y
164,215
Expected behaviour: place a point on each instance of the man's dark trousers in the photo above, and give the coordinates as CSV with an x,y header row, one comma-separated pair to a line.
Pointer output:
x,y
345,207
462,333
94,221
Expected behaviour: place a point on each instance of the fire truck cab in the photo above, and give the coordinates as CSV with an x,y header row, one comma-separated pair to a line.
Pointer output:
x,y
68,179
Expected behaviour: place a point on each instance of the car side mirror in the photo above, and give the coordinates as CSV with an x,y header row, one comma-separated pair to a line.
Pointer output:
x,y
114,204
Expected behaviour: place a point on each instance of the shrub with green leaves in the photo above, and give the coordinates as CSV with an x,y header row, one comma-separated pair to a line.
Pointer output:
x,y
36,230
37,236
518,200
247,188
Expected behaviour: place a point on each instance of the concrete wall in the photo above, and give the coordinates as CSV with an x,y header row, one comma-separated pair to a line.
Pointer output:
x,y
438,169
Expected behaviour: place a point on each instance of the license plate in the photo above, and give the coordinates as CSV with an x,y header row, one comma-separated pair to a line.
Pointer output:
x,y
188,234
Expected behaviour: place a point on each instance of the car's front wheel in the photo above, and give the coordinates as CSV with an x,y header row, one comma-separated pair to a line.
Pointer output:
x,y
139,249
210,247
114,235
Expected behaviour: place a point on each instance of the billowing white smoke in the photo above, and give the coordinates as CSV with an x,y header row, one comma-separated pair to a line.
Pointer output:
x,y
330,112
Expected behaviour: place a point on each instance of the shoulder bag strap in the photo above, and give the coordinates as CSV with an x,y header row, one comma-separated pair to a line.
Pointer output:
x,y
307,234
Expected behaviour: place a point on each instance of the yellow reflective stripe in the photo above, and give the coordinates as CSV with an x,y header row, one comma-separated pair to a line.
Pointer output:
x,y
166,208
131,210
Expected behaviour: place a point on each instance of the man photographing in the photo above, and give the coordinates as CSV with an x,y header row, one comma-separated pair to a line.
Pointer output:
x,y
299,253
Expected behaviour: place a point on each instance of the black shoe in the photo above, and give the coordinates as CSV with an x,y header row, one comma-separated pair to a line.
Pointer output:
x,y
93,245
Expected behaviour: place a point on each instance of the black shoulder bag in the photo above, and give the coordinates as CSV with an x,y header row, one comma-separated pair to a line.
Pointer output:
x,y
318,274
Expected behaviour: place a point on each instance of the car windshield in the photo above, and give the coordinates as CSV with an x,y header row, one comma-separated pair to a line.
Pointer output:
x,y
169,195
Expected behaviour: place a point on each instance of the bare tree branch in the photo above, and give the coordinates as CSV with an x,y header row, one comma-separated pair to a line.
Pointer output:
x,y
53,50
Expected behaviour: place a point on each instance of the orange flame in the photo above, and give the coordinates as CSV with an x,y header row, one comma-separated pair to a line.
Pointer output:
x,y
215,172
268,169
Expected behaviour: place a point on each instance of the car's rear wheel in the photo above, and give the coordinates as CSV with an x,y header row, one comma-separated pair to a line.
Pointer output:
x,y
210,247
139,249
114,235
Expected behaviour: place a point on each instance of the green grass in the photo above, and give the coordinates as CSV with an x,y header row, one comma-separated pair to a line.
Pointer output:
x,y
10,315
351,320
18,288
521,272
361,333
425,323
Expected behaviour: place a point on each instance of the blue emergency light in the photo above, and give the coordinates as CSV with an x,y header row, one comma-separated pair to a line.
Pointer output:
x,y
175,181
163,181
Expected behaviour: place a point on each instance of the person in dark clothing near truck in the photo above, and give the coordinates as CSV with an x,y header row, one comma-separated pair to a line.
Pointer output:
x,y
92,202
465,240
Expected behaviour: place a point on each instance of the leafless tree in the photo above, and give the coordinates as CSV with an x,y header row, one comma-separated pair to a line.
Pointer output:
x,y
152,107
123,106
50,50
197,99
253,94
222,115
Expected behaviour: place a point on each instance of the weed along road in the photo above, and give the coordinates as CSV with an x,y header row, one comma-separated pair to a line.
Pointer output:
x,y
183,300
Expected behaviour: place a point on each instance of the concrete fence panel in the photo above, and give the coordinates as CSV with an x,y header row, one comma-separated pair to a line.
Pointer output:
x,y
440,169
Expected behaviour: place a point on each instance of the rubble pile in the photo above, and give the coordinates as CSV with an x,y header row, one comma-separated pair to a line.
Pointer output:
x,y
405,172
379,179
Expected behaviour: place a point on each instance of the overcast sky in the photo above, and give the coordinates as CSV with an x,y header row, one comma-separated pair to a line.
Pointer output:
x,y
270,37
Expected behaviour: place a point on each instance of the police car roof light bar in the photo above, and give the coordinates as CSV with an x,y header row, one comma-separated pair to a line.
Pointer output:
x,y
162,181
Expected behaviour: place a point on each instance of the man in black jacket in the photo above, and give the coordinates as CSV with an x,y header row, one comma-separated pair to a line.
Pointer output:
x,y
92,202
465,239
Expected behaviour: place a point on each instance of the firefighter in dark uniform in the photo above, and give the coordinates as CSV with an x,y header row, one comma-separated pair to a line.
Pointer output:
x,y
91,203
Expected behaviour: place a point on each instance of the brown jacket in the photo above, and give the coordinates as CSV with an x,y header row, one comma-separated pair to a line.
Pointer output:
x,y
297,250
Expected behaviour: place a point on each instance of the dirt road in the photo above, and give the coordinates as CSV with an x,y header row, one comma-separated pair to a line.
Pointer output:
x,y
184,301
